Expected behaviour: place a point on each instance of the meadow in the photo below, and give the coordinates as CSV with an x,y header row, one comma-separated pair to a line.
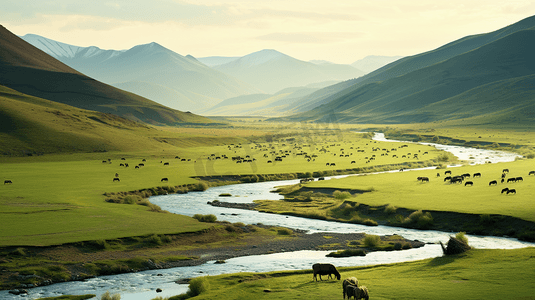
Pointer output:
x,y
476,274
56,199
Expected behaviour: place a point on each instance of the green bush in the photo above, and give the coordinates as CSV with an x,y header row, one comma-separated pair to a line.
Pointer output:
x,y
369,222
205,218
420,219
390,209
284,231
341,195
371,240
198,286
462,237
107,296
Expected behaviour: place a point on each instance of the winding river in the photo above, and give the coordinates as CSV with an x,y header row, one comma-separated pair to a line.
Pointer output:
x,y
142,285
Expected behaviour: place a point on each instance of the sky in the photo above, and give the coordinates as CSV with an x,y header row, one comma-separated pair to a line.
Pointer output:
x,y
339,31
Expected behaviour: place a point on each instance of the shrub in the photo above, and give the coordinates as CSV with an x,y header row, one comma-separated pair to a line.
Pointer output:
x,y
154,239
390,209
372,240
369,222
341,195
284,231
198,286
224,195
107,296
201,186
205,218
462,237
420,219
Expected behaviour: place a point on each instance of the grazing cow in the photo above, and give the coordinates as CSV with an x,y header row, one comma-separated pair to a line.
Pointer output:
x,y
352,161
503,180
505,190
141,165
333,164
468,183
164,179
447,172
121,165
466,175
424,179
116,179
505,171
137,167
511,180
143,160
456,180
7,181
447,178
104,161
477,175
511,191
531,173
357,292
321,178
519,179
166,164
349,281
494,182
324,269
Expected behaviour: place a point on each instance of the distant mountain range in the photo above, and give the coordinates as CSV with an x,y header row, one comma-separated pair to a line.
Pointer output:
x,y
272,71
149,70
31,71
483,79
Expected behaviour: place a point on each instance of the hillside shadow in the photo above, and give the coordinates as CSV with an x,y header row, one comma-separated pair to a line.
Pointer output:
x,y
445,260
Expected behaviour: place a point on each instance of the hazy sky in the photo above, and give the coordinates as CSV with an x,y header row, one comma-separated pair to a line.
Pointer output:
x,y
340,31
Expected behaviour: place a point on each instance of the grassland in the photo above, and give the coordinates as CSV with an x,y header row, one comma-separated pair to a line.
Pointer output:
x,y
476,274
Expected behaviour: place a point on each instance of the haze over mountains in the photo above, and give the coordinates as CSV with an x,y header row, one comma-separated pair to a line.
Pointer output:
x,y
150,70
185,83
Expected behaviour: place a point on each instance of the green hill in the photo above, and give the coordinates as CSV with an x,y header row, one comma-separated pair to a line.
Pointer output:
x,y
28,70
33,126
451,89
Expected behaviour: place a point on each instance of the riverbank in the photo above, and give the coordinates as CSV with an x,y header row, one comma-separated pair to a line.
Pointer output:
x,y
29,267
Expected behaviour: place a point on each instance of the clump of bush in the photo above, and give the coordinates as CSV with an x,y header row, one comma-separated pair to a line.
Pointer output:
x,y
369,222
419,219
211,218
108,296
341,195
461,236
371,240
284,231
390,209
198,286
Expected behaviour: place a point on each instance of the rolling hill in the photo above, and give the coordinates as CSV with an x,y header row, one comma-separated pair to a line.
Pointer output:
x,y
272,71
448,83
150,70
30,71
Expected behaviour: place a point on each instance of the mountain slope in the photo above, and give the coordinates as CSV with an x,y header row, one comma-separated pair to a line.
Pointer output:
x,y
414,97
31,71
272,71
412,63
163,74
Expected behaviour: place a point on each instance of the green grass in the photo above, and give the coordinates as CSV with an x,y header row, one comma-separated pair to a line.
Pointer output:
x,y
476,274
56,199
403,190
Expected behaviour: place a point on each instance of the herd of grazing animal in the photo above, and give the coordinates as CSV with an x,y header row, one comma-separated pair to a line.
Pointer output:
x,y
459,179
350,285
